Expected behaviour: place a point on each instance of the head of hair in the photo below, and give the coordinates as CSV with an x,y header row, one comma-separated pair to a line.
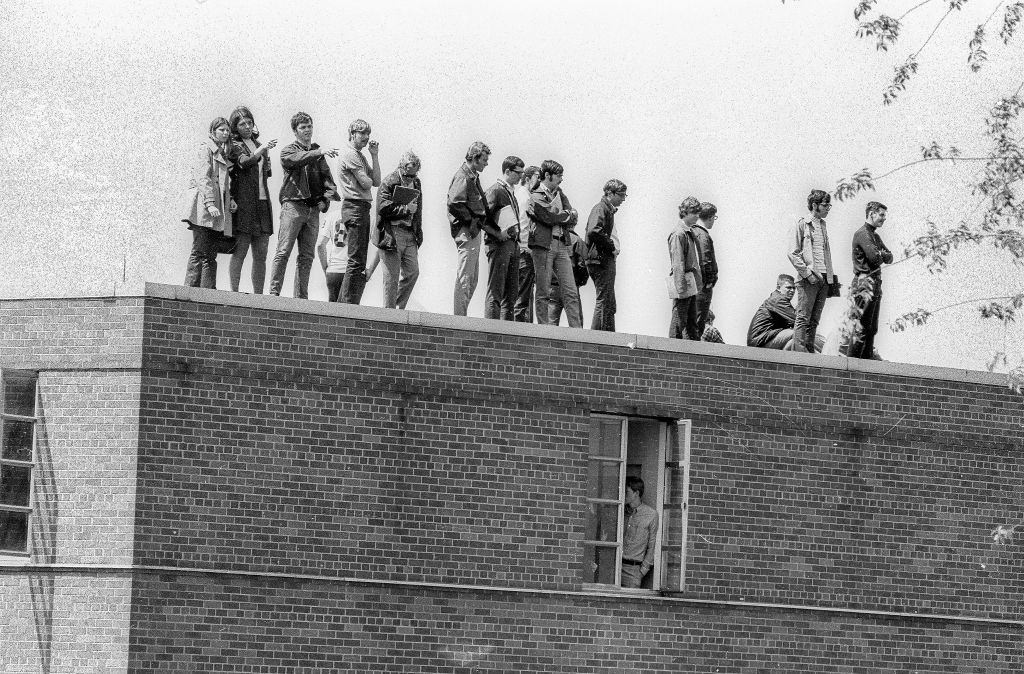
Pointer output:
x,y
512,162
409,158
711,317
783,278
237,115
708,210
817,197
550,167
528,174
636,484
690,205
874,207
300,118
477,149
217,123
614,186
358,125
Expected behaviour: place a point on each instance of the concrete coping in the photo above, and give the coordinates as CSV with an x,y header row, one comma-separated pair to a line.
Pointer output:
x,y
555,333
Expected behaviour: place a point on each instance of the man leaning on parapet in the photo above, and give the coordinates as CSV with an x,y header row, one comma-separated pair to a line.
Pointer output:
x,y
812,259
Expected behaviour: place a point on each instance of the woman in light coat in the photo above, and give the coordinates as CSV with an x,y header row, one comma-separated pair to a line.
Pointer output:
x,y
253,222
208,213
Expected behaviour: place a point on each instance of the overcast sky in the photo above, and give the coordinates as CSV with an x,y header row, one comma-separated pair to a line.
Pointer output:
x,y
745,104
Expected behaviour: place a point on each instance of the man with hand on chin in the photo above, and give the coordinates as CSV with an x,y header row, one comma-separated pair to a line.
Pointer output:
x,y
306,192
357,178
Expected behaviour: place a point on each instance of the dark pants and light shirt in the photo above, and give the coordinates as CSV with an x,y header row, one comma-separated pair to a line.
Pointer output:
x,y
810,301
603,276
355,213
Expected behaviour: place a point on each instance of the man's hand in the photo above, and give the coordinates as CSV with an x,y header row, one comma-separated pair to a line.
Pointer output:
x,y
374,147
814,278
412,207
213,211
264,149
502,236
329,152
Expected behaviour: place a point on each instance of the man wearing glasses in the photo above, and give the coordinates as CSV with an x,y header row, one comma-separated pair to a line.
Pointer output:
x,y
601,253
501,237
812,259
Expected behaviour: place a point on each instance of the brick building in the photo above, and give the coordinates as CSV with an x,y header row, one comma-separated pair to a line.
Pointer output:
x,y
199,481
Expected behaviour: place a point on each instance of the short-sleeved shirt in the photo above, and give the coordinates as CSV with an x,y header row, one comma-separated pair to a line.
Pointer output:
x,y
352,163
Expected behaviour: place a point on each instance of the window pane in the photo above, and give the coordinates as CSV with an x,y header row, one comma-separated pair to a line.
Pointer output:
x,y
19,395
14,485
603,479
602,523
671,548
17,440
598,565
13,531
605,437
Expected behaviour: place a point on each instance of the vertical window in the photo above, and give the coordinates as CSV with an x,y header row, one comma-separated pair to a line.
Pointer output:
x,y
17,458
637,486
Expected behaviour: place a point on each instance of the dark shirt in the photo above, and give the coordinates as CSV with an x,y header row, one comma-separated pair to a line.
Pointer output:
x,y
869,253
600,226
307,177
392,214
706,248
466,204
773,316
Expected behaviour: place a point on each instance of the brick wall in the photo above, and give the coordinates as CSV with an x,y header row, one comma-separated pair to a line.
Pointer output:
x,y
325,443
87,353
195,623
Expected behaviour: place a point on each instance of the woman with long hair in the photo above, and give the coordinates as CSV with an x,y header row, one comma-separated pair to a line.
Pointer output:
x,y
253,222
209,207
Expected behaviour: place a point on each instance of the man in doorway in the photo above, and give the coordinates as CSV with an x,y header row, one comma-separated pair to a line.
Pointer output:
x,y
640,537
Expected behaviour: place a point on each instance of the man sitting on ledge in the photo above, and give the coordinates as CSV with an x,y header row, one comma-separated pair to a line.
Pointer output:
x,y
772,324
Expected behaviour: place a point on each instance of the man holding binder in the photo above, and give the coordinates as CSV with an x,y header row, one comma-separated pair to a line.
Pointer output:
x,y
501,236
399,231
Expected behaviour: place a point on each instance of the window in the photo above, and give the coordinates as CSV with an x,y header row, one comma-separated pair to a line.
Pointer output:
x,y
622,538
17,458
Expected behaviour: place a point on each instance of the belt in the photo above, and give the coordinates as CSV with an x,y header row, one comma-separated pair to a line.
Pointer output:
x,y
633,562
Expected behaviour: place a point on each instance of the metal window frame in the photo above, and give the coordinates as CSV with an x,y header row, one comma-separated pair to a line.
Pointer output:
x,y
5,375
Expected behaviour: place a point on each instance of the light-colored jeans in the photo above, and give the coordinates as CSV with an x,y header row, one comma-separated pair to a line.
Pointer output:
x,y
301,223
556,260
468,271
401,268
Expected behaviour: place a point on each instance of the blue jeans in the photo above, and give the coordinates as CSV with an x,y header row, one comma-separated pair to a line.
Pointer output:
x,y
556,261
401,268
356,215
810,300
301,223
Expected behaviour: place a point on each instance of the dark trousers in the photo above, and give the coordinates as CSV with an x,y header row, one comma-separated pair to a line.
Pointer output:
x,y
603,275
356,215
334,281
703,307
524,298
866,294
810,301
201,271
502,280
684,319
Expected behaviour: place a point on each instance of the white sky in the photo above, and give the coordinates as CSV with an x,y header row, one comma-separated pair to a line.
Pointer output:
x,y
748,104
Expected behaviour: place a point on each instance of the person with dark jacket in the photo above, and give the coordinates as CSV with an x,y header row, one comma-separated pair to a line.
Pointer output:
x,y
467,210
254,219
306,192
399,231
552,217
709,265
601,253
501,237
869,254
772,325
